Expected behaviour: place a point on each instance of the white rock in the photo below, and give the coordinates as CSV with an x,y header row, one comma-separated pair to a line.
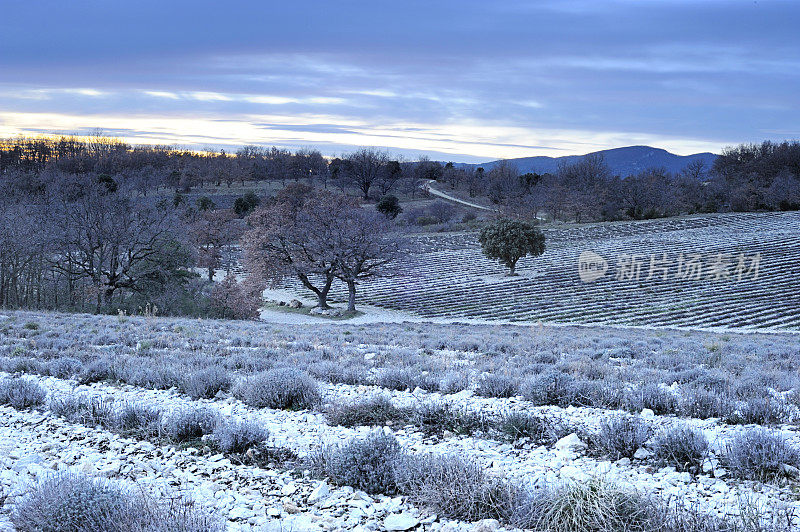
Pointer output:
x,y
403,521
642,454
485,525
646,412
570,442
320,492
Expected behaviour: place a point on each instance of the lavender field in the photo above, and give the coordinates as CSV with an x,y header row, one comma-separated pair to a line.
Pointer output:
x,y
446,275
268,427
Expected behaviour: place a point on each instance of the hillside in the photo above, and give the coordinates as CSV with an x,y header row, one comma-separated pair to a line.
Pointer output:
x,y
622,161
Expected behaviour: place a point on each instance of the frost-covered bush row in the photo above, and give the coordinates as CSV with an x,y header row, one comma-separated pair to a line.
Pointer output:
x,y
184,425
739,378
69,502
459,488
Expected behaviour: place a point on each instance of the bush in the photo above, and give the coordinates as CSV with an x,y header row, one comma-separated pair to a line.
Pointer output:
x,y
621,436
497,386
286,388
97,370
704,404
760,411
588,507
191,424
435,418
76,503
239,436
684,448
21,393
64,367
551,388
652,396
91,411
454,382
140,421
455,487
377,410
517,425
366,464
405,379
206,383
760,454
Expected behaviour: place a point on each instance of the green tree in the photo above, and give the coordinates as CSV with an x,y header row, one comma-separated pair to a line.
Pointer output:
x,y
507,241
246,204
389,206
204,203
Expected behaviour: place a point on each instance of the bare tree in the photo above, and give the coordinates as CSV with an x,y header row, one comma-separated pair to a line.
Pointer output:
x,y
363,246
291,237
211,233
116,244
363,167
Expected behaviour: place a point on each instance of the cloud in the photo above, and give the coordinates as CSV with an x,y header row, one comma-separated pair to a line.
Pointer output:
x,y
471,78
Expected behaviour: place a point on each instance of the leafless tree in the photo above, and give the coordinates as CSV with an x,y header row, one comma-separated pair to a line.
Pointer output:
x,y
290,237
363,246
363,168
212,232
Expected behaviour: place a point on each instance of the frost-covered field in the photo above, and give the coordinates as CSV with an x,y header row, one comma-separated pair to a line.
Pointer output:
x,y
447,276
479,427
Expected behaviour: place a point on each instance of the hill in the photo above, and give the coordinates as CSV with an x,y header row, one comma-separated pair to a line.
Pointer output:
x,y
622,161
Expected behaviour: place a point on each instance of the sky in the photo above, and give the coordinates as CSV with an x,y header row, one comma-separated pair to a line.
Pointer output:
x,y
455,80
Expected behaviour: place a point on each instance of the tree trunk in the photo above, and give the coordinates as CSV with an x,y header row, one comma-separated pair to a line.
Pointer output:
x,y
351,296
210,274
512,269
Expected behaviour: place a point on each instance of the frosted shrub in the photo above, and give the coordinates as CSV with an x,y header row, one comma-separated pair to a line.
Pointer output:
x,y
140,421
64,367
621,436
406,379
97,370
366,464
239,436
551,388
540,430
683,448
760,411
455,487
285,388
762,455
191,424
588,507
703,404
497,386
376,410
652,396
438,418
206,383
70,502
21,393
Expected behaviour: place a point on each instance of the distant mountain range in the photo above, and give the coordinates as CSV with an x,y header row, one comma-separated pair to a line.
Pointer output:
x,y
622,161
